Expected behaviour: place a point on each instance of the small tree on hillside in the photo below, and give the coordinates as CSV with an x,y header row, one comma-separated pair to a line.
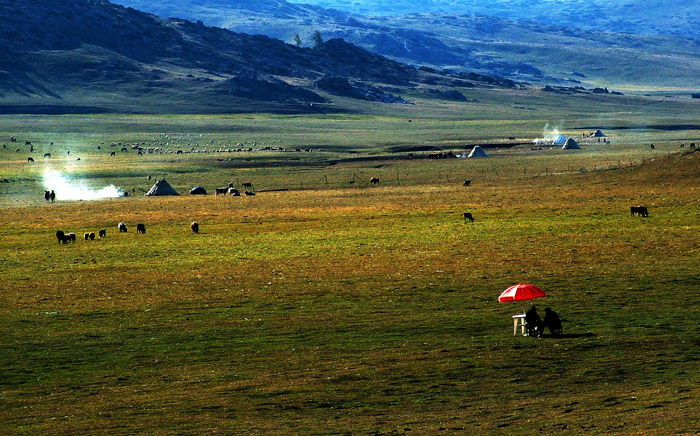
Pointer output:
x,y
316,39
297,40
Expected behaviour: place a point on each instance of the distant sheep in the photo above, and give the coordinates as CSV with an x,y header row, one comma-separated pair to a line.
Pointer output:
x,y
468,216
374,180
122,227
102,233
140,228
195,227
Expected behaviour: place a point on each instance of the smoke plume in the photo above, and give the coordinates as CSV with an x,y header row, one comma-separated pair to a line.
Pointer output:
x,y
67,189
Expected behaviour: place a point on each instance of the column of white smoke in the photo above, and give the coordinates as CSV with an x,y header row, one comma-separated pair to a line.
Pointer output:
x,y
67,189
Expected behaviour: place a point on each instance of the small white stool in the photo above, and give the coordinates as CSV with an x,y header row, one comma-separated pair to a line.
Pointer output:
x,y
518,320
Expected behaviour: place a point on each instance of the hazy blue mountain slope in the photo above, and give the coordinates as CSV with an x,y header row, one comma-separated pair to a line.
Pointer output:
x,y
539,53
668,17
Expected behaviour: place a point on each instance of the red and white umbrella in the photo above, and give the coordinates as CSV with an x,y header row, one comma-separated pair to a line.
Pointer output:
x,y
521,292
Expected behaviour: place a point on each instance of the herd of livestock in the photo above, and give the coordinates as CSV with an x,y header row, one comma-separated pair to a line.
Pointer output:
x,y
64,238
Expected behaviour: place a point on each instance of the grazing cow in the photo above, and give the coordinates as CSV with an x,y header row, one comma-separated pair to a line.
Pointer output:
x,y
639,210
140,228
220,191
53,196
652,146
29,159
195,227
374,180
692,145
247,185
47,154
467,183
122,227
47,196
468,216
249,193
13,139
86,235
102,233
682,145
92,236
113,154
28,143
233,192
71,236
17,150
61,237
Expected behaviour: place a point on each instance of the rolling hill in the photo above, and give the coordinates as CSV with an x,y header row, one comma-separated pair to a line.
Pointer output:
x,y
95,54
548,51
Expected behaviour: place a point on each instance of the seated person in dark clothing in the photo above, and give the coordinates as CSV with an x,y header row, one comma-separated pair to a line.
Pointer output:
x,y
534,322
552,322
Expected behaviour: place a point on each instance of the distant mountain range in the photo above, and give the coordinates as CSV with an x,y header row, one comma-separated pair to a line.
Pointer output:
x,y
96,53
649,17
538,44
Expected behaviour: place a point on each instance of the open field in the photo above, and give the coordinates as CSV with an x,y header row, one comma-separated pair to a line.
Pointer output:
x,y
338,308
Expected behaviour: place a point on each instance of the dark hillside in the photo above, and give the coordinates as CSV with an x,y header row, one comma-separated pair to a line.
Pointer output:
x,y
92,47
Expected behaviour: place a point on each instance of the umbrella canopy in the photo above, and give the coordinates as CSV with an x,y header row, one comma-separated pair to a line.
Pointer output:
x,y
521,292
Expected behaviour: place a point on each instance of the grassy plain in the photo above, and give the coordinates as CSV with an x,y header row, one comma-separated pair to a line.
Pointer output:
x,y
334,308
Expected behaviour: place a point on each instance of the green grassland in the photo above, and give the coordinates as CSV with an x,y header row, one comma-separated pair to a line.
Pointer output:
x,y
338,308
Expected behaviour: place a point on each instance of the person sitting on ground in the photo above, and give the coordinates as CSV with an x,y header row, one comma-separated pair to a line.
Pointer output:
x,y
534,322
552,322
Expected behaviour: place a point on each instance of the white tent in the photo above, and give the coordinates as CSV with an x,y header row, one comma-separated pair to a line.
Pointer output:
x,y
571,145
477,151
162,187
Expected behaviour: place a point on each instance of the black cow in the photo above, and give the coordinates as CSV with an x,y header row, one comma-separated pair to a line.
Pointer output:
x,y
29,159
374,180
122,228
467,183
195,227
639,210
468,216
140,228
102,234
61,237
